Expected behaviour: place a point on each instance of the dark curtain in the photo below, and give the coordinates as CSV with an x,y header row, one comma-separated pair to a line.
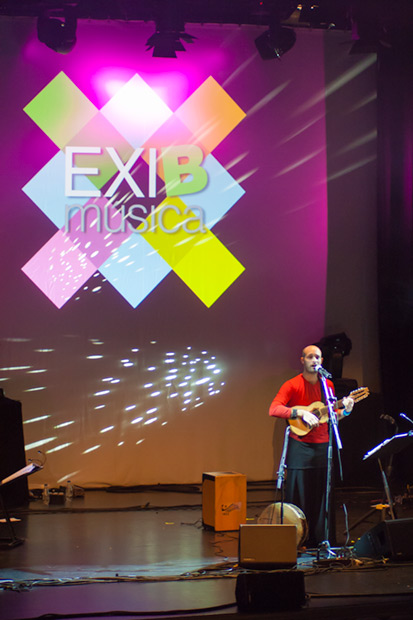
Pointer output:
x,y
395,229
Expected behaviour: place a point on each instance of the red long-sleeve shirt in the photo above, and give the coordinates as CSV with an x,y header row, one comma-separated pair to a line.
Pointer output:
x,y
293,393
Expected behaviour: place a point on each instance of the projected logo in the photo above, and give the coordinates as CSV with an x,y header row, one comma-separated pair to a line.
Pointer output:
x,y
133,141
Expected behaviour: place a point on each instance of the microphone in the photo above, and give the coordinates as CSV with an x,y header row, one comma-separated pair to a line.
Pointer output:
x,y
403,415
323,372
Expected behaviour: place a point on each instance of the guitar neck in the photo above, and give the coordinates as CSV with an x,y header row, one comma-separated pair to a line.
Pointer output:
x,y
324,410
321,411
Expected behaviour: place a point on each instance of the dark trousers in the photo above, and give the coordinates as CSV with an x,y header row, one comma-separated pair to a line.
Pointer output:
x,y
306,488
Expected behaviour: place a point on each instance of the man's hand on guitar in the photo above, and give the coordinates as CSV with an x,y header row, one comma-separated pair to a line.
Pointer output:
x,y
308,418
348,403
304,419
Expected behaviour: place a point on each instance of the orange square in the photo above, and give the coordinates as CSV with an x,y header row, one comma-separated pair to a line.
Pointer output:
x,y
210,114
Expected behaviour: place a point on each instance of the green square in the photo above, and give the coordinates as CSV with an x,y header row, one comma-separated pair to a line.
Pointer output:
x,y
61,110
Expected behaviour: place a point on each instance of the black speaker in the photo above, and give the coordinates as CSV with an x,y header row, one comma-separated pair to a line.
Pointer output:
x,y
270,591
12,454
389,539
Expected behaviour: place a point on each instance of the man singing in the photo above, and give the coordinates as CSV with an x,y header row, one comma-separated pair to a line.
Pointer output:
x,y
307,454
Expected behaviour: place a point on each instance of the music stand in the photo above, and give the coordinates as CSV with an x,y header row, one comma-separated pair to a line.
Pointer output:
x,y
13,541
388,447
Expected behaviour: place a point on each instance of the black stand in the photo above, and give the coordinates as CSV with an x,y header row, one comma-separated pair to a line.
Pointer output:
x,y
12,540
388,447
332,430
281,471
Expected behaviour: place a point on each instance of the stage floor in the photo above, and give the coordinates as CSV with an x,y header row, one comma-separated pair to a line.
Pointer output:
x,y
145,553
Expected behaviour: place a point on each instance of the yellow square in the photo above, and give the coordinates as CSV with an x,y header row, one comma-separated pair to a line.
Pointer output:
x,y
209,269
198,258
174,245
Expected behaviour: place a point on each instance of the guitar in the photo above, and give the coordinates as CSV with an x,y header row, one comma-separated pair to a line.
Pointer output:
x,y
321,411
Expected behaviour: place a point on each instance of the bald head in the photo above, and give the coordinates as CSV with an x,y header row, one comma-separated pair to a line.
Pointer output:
x,y
311,349
311,359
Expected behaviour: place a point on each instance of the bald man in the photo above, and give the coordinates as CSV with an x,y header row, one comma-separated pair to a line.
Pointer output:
x,y
306,478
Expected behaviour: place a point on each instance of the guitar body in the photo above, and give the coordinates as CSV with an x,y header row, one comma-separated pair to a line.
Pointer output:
x,y
321,411
299,427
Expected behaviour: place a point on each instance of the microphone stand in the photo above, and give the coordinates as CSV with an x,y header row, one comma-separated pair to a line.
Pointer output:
x,y
281,472
332,430
403,415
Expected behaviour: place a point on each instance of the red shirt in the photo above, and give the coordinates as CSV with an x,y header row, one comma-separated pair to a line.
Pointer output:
x,y
293,393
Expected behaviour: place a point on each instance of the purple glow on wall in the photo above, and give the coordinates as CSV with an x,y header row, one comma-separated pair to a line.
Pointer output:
x,y
277,230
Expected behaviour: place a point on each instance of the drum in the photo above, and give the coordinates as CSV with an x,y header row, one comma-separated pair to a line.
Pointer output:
x,y
292,515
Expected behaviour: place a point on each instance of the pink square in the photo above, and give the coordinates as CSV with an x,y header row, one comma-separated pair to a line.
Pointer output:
x,y
94,235
59,269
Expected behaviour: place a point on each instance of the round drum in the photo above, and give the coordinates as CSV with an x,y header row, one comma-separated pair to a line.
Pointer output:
x,y
292,515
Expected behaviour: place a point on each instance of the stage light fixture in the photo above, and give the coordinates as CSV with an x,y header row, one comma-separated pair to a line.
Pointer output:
x,y
165,43
275,42
169,30
56,28
279,38
310,14
334,348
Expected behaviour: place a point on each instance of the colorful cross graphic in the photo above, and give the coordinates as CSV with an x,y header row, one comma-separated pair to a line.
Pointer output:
x,y
133,261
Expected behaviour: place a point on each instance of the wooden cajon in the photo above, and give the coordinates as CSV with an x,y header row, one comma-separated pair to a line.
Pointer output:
x,y
224,500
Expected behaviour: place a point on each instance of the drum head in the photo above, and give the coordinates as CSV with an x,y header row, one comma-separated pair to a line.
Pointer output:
x,y
292,515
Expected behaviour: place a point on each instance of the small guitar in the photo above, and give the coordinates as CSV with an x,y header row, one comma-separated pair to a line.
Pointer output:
x,y
321,411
